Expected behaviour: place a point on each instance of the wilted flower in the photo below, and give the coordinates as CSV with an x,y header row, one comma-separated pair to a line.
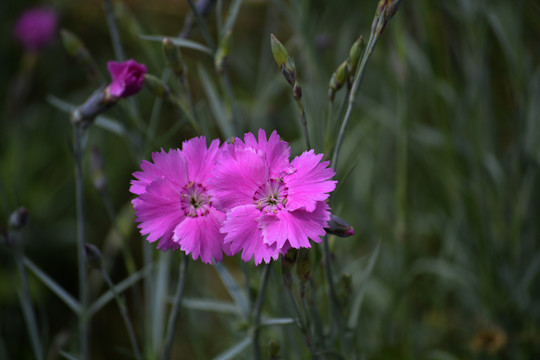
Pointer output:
x,y
35,28
173,203
272,204
127,78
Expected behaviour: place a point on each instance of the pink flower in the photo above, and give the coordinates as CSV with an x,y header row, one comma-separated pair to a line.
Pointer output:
x,y
127,78
272,204
35,28
173,203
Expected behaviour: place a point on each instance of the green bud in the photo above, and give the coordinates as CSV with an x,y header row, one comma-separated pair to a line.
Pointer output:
x,y
156,86
303,265
222,52
76,49
356,53
338,79
283,60
274,349
173,57
380,7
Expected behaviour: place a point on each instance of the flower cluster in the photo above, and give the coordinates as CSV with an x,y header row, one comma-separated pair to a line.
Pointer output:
x,y
245,196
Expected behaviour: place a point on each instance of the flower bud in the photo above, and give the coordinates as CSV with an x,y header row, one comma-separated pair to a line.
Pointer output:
x,y
93,256
76,49
127,78
338,79
274,349
339,227
283,60
156,86
355,54
222,52
97,170
18,219
173,57
303,265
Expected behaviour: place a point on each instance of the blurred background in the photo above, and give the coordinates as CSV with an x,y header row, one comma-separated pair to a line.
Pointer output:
x,y
438,173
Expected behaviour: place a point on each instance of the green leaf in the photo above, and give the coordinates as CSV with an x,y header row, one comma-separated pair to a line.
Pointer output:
x,y
278,322
231,16
235,350
357,304
53,286
179,42
234,290
217,107
121,286
210,305
68,356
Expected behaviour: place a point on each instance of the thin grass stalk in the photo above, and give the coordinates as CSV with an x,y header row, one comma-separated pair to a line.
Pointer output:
x,y
175,311
202,24
26,302
123,311
81,234
257,311
303,120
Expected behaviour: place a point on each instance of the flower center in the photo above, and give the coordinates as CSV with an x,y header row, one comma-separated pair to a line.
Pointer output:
x,y
271,196
194,200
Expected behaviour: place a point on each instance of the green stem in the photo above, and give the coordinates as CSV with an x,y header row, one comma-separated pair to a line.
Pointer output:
x,y
303,120
26,302
257,311
234,106
123,311
204,28
335,308
113,30
79,193
173,317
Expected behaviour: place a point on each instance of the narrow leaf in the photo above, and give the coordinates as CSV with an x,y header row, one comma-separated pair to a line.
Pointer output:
x,y
53,286
210,305
121,286
68,356
231,17
189,44
238,296
278,322
235,350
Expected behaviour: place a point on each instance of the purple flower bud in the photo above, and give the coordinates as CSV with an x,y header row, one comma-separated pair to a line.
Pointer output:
x,y
127,78
35,28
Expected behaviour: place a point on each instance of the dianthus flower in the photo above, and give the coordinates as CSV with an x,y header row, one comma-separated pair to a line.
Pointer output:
x,y
35,28
272,204
127,78
173,203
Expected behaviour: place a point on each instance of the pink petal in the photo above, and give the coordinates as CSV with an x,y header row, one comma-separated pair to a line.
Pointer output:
x,y
158,211
200,236
296,227
243,233
200,160
309,183
236,178
275,151
171,165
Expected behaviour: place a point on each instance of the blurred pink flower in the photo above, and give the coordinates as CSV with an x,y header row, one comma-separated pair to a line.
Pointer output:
x,y
127,78
36,28
173,203
271,204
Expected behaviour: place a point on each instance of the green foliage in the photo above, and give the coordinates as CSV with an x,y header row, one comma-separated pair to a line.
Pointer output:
x,y
437,174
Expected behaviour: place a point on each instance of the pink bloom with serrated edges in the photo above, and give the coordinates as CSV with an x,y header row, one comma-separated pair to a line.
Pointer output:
x,y
36,28
173,204
271,203
127,78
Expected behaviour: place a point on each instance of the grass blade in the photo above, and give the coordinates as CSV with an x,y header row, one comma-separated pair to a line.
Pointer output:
x,y
189,44
235,350
238,296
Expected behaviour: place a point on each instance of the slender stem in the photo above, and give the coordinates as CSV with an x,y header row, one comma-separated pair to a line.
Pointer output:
x,y
26,302
234,106
202,24
113,30
335,308
303,120
257,311
173,317
123,311
79,192
128,257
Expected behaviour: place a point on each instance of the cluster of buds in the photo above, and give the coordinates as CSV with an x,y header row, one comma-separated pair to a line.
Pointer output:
x,y
345,72
286,65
